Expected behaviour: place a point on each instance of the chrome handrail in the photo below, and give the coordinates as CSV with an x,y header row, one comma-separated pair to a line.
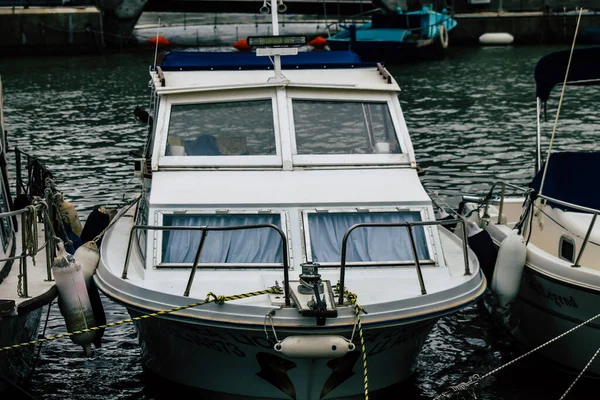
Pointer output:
x,y
526,191
24,254
205,230
408,226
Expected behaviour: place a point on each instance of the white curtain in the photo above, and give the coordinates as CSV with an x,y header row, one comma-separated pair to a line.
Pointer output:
x,y
365,243
261,245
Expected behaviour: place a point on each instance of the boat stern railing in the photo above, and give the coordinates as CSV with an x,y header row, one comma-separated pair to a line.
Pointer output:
x,y
30,216
409,227
531,197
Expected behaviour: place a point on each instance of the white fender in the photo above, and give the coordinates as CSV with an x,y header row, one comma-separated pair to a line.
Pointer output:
x,y
73,299
88,256
318,346
509,268
472,228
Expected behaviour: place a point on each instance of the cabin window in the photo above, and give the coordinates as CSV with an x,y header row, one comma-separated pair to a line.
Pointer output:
x,y
222,129
344,127
566,248
248,246
367,244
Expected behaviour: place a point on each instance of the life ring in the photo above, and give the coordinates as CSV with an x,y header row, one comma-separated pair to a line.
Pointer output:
x,y
443,37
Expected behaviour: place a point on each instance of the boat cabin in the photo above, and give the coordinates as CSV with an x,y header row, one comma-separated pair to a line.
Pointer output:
x,y
308,152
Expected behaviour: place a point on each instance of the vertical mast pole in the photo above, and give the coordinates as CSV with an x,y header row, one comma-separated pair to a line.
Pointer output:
x,y
275,21
538,143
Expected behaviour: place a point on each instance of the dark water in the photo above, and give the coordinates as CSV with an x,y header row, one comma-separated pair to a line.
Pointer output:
x,y
472,120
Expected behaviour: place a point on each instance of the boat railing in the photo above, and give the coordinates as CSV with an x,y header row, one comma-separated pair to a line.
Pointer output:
x,y
36,175
205,230
29,216
409,227
530,194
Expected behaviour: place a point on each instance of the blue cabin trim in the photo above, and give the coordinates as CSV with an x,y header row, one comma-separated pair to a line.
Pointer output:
x,y
207,61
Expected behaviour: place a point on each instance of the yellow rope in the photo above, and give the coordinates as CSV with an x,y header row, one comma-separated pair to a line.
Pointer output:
x,y
31,232
358,309
215,299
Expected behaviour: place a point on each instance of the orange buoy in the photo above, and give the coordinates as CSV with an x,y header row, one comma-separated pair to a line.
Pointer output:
x,y
318,43
241,45
161,41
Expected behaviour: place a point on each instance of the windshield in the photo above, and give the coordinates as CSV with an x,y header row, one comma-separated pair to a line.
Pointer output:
x,y
222,129
343,127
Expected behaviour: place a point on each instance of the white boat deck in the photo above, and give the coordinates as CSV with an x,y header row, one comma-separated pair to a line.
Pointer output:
x,y
37,283
375,286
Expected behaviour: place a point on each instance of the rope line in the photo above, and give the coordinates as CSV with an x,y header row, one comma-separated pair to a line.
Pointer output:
x,y
562,94
210,298
358,309
476,379
121,213
580,374
31,232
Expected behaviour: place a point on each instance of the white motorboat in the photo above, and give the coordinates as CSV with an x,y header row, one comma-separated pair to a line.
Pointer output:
x,y
546,278
282,181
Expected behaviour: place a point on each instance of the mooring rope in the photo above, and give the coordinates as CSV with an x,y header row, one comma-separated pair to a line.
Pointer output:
x,y
475,379
358,309
210,298
120,214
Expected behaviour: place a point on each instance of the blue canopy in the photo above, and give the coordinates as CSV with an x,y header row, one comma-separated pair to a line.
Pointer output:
x,y
571,177
550,70
199,61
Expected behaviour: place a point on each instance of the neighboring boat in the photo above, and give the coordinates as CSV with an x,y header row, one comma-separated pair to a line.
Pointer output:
x,y
282,181
397,35
547,277
25,279
225,30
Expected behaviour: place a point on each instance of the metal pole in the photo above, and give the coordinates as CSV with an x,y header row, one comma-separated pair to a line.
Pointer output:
x,y
501,203
275,22
585,241
128,254
195,266
465,247
24,254
538,143
416,257
18,162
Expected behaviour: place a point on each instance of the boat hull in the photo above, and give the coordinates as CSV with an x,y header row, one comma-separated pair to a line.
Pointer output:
x,y
546,308
195,355
16,364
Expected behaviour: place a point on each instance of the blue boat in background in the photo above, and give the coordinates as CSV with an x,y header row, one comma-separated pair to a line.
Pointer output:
x,y
396,35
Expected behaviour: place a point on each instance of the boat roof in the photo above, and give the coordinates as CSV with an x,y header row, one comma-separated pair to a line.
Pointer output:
x,y
569,178
227,61
187,71
550,70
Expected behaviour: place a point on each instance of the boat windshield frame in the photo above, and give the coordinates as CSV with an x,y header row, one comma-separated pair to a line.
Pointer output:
x,y
286,156
166,104
397,120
